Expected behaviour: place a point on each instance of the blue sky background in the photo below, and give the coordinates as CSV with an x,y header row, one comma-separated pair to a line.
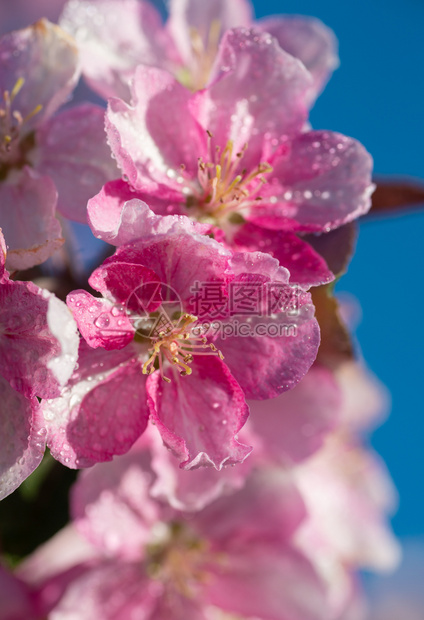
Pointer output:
x,y
376,96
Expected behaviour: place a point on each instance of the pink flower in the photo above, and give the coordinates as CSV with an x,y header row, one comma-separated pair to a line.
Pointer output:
x,y
348,494
45,161
235,156
115,36
154,562
194,386
289,429
314,431
38,353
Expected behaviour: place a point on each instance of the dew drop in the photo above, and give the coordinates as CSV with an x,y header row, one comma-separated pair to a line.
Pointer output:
x,y
117,310
102,321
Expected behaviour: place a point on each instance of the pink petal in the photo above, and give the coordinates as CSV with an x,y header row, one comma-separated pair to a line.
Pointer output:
x,y
114,36
101,323
23,439
250,62
366,400
348,494
33,359
191,490
189,15
3,273
199,415
149,144
73,151
112,507
28,205
176,257
273,358
99,416
325,181
268,508
128,283
46,58
268,582
174,605
118,215
294,425
305,265
65,550
111,591
246,265
308,39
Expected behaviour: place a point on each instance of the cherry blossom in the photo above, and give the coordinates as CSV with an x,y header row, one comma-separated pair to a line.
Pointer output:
x,y
238,157
151,355
115,36
236,555
46,161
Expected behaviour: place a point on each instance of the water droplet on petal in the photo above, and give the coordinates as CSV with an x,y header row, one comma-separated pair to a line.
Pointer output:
x,y
102,321
117,310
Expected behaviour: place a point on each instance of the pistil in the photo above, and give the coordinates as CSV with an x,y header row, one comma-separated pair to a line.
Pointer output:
x,y
226,188
11,124
178,346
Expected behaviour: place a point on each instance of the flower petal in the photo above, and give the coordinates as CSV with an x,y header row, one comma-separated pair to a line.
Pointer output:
x,y
325,181
191,491
348,493
46,58
198,416
73,151
308,39
251,62
267,508
114,36
176,257
133,286
156,135
294,425
28,205
273,353
268,582
118,215
99,416
23,438
111,505
3,273
111,591
33,359
101,323
187,16
305,265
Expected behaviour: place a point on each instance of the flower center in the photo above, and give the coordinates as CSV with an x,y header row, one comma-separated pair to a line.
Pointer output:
x,y
13,149
175,343
197,76
226,186
177,560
